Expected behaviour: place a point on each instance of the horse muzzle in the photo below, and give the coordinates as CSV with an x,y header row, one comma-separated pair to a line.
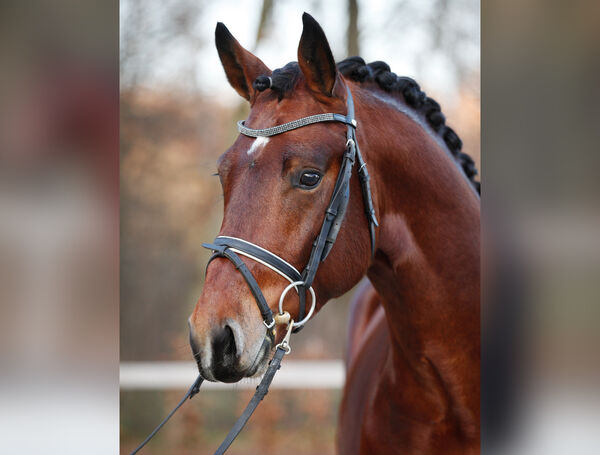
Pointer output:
x,y
224,356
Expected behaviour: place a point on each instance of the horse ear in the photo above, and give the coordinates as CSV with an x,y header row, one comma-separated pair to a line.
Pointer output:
x,y
315,57
241,66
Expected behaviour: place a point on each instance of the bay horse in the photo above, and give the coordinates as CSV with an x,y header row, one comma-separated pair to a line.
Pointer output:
x,y
413,355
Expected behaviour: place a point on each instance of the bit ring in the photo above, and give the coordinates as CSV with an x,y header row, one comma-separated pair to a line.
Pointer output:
x,y
312,307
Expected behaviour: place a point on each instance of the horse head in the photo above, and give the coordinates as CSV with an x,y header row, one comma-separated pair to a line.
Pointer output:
x,y
276,192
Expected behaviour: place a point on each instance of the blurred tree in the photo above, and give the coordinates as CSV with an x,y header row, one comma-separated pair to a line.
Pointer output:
x,y
352,31
264,23
450,30
150,31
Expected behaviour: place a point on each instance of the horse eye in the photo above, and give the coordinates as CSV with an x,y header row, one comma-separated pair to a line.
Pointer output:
x,y
310,179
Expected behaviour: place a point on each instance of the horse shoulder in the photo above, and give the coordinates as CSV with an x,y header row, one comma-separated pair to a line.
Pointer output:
x,y
366,354
364,305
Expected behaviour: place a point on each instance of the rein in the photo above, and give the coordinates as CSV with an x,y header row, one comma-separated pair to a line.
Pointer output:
x,y
231,247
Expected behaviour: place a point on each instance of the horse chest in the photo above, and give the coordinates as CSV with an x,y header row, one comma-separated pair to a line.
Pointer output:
x,y
384,411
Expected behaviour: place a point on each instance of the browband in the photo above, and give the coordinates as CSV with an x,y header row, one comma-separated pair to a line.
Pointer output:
x,y
294,124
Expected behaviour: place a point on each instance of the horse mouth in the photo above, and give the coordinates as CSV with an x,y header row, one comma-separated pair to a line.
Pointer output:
x,y
260,364
229,374
226,370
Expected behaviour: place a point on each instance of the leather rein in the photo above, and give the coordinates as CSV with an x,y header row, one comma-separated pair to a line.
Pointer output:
x,y
231,247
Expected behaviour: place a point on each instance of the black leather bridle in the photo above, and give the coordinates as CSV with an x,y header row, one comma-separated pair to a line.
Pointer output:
x,y
232,247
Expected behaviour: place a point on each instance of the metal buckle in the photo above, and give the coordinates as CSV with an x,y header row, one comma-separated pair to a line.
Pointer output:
x,y
285,343
269,326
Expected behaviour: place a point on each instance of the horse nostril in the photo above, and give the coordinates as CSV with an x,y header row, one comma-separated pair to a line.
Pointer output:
x,y
224,343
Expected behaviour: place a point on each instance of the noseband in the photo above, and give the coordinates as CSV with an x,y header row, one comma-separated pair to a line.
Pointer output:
x,y
230,247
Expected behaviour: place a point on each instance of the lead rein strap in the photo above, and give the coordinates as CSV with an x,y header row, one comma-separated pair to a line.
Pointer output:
x,y
261,390
193,390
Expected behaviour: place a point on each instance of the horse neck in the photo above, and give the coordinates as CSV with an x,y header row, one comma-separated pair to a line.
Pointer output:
x,y
426,267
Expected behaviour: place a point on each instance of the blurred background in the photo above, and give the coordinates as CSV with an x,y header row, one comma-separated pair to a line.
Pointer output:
x,y
59,227
178,114
59,211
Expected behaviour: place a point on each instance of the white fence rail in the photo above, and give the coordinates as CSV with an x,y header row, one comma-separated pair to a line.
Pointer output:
x,y
294,374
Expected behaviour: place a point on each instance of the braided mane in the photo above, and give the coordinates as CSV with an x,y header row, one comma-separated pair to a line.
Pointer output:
x,y
284,79
356,69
